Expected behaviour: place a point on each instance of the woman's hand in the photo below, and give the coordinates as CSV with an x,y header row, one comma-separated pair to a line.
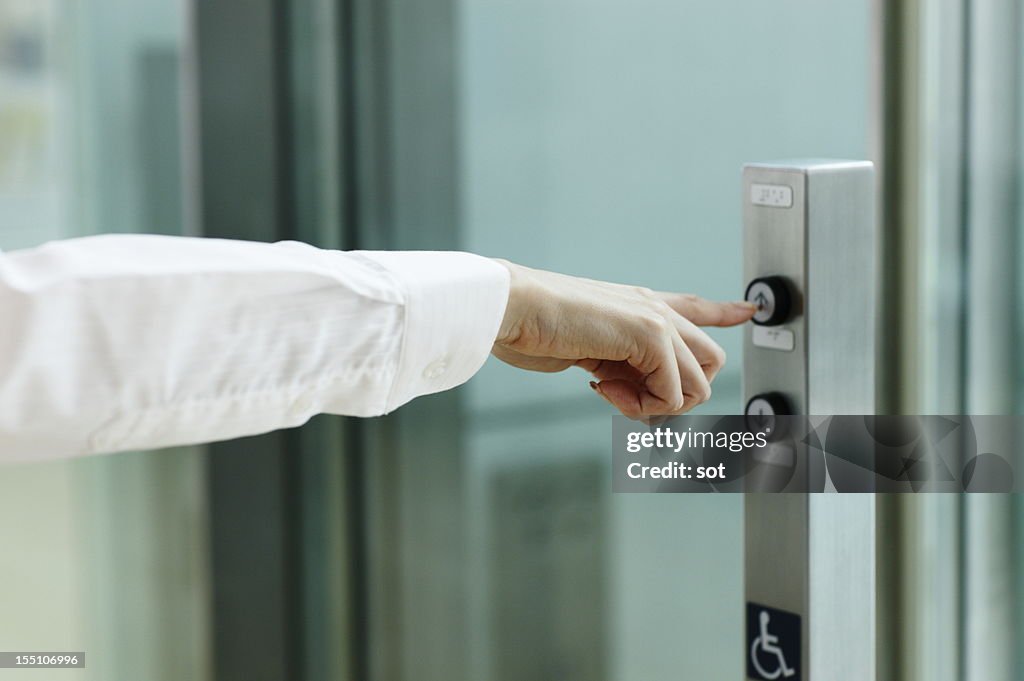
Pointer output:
x,y
644,348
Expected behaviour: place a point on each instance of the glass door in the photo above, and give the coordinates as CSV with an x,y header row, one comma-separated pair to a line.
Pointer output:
x,y
105,555
603,139
606,140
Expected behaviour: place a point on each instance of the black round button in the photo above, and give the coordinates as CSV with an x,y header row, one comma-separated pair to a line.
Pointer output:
x,y
771,295
761,411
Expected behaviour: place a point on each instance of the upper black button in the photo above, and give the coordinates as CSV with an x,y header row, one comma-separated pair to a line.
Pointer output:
x,y
771,295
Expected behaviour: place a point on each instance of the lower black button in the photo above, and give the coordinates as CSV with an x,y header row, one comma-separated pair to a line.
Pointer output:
x,y
762,410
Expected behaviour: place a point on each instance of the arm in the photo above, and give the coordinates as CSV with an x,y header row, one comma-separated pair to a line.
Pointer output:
x,y
125,342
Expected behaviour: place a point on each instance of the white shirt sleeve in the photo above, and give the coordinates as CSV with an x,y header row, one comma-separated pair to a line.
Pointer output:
x,y
125,342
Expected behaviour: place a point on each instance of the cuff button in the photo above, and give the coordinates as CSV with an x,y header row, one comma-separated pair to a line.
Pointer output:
x,y
436,368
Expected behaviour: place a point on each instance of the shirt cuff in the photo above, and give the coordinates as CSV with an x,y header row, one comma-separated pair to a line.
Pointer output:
x,y
454,305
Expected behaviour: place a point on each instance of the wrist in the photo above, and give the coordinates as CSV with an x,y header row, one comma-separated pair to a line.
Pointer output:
x,y
511,322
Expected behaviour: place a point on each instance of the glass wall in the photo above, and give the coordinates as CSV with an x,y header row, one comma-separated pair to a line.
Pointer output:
x,y
957,141
105,555
605,139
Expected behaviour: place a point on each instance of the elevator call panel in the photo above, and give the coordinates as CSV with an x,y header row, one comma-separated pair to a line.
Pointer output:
x,y
809,234
808,261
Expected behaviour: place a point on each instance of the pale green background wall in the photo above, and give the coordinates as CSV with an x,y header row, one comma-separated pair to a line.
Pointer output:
x,y
605,139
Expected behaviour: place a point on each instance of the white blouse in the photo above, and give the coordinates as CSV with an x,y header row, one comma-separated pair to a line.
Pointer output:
x,y
121,342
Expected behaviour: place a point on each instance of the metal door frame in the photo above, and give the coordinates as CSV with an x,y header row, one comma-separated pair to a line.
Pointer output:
x,y
263,149
947,142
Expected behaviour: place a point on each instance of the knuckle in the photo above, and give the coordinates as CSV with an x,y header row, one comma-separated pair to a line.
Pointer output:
x,y
651,323
702,393
662,308
718,357
643,291
688,303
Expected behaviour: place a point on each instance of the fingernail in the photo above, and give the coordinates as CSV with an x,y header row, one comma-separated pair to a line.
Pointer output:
x,y
597,389
745,305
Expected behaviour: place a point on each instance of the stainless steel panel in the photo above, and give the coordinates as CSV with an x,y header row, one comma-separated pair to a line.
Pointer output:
x,y
775,243
841,289
814,554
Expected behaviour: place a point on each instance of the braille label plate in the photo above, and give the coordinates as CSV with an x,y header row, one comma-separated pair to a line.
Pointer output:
x,y
774,338
771,195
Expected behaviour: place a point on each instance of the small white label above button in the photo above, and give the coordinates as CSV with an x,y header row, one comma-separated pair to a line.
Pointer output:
x,y
773,338
771,195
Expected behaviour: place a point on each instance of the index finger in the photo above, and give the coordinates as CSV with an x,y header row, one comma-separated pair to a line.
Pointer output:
x,y
709,312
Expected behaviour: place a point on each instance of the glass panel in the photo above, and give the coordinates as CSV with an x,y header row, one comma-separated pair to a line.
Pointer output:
x,y
605,139
104,555
991,325
961,554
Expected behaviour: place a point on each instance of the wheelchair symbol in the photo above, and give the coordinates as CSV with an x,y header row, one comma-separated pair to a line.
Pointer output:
x,y
767,644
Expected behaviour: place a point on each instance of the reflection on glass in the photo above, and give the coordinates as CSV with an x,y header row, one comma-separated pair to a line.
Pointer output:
x,y
102,555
